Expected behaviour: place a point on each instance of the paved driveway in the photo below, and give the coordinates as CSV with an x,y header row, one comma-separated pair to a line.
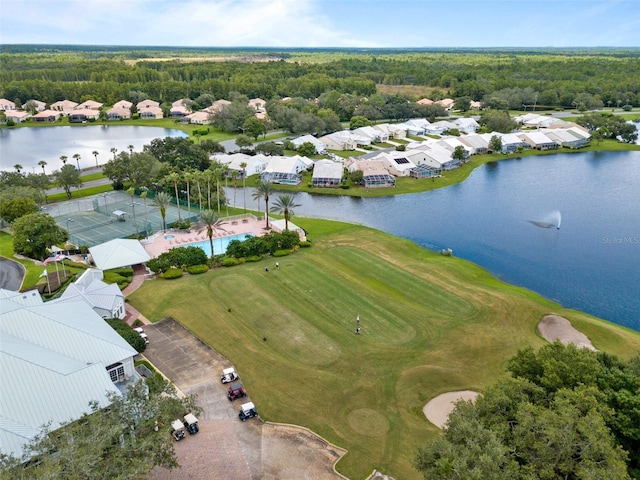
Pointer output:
x,y
225,447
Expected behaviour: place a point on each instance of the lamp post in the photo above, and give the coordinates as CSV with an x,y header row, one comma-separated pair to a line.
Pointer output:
x,y
133,214
69,231
104,196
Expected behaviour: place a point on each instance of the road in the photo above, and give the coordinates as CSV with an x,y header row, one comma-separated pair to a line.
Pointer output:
x,y
11,274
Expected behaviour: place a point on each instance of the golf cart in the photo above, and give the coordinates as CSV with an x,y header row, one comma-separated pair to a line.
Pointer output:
x,y
143,335
247,410
229,375
177,430
191,423
236,391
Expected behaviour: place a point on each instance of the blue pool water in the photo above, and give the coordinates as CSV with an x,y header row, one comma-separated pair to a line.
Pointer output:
x,y
219,244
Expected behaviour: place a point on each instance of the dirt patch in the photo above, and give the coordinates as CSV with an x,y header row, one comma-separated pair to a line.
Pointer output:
x,y
555,327
437,410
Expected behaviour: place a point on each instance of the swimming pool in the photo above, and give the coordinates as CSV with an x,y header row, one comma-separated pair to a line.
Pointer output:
x,y
219,244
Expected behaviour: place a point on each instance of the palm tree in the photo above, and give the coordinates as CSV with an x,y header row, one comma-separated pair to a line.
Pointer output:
x,y
161,201
76,157
262,191
210,221
42,163
114,150
174,177
234,177
243,165
143,196
95,154
130,147
188,177
64,159
284,205
18,167
198,177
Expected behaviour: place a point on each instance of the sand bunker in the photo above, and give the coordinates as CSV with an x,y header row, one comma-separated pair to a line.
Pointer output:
x,y
437,410
554,327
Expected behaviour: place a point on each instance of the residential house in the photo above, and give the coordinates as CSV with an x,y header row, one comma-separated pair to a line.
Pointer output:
x,y
475,105
80,116
89,105
198,118
477,143
446,103
255,164
374,173
538,140
46,116
217,106
106,299
7,105
145,104
342,141
63,106
511,142
466,124
451,143
425,101
183,102
440,154
392,130
438,128
56,359
40,106
569,138
425,165
327,173
535,120
415,126
285,170
373,134
118,113
151,113
180,111
309,139
396,163
425,171
17,116
257,104
123,104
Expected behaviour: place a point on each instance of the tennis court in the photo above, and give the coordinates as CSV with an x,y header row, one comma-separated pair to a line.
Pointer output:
x,y
98,219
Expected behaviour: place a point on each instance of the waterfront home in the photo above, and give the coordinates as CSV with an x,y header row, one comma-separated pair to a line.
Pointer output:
x,y
511,142
538,140
118,113
285,170
39,106
197,118
217,106
255,164
327,173
180,111
151,113
17,116
477,143
568,137
46,116
374,173
396,163
80,116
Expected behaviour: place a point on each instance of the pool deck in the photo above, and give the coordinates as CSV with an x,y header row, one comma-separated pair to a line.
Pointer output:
x,y
157,244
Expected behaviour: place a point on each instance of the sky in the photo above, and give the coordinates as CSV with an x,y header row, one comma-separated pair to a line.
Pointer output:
x,y
323,23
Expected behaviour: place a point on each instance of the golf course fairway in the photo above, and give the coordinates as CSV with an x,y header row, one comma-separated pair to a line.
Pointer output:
x,y
429,324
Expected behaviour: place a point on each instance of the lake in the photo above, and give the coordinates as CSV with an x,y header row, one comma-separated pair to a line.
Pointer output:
x,y
592,263
27,146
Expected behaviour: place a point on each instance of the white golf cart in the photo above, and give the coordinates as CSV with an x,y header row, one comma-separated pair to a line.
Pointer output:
x,y
247,410
229,375
191,423
177,430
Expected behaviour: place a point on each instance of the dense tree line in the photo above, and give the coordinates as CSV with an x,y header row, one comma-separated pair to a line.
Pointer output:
x,y
554,78
564,413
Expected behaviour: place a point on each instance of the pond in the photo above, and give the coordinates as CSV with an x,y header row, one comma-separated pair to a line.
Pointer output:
x,y
27,146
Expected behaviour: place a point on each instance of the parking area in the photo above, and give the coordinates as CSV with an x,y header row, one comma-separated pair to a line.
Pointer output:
x,y
225,447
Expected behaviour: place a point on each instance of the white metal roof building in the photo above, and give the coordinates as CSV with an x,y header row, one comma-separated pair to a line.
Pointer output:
x,y
55,359
118,253
327,173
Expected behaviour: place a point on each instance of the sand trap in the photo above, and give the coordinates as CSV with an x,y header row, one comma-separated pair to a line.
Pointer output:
x,y
437,410
554,327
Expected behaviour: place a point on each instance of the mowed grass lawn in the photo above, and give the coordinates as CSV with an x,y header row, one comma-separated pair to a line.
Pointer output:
x,y
430,324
